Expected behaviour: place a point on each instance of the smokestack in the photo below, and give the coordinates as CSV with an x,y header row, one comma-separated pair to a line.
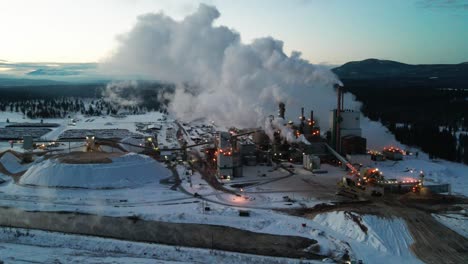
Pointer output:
x,y
301,128
312,116
338,117
281,110
342,97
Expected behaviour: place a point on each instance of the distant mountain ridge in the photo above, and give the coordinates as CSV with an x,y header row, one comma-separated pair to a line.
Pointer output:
x,y
6,81
53,72
375,68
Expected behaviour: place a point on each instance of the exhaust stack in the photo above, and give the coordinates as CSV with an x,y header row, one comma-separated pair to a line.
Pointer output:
x,y
282,110
312,117
339,90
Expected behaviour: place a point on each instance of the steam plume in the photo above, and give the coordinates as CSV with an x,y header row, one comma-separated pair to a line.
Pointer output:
x,y
113,93
217,76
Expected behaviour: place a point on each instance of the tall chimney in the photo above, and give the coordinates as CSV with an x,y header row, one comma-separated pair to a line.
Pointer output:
x,y
342,98
302,118
312,117
281,110
338,118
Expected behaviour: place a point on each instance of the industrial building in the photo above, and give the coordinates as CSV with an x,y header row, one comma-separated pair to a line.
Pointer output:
x,y
345,129
228,158
393,153
299,142
311,162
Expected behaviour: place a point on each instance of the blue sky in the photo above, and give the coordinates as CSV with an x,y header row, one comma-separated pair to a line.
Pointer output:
x,y
325,31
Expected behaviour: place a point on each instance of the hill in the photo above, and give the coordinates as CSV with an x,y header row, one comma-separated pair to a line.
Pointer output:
x,y
382,69
8,81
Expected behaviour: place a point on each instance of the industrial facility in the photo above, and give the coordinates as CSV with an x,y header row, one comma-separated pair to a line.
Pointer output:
x,y
212,175
300,142
226,155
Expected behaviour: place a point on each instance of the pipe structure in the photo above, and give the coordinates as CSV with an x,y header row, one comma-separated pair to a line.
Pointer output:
x,y
344,162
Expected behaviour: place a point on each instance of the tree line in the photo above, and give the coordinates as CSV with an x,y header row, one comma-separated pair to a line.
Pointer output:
x,y
65,107
419,114
64,100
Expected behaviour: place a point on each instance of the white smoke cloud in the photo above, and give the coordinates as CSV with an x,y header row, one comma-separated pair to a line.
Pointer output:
x,y
279,124
113,93
378,136
231,83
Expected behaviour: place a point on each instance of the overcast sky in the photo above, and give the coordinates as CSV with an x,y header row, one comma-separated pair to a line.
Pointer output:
x,y
325,31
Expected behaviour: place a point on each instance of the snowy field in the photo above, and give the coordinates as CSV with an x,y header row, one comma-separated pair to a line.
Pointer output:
x,y
458,222
34,246
157,202
381,240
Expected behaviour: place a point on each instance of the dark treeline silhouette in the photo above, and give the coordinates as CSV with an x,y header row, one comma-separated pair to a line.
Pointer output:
x,y
18,93
419,113
64,107
60,101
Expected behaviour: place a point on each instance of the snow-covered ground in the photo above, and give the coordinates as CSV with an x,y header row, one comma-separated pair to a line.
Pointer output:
x,y
457,222
126,171
280,189
386,241
12,163
435,171
157,202
83,122
382,240
34,246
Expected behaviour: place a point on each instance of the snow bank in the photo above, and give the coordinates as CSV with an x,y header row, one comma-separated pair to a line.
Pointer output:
x,y
3,178
12,163
456,175
377,240
456,222
126,171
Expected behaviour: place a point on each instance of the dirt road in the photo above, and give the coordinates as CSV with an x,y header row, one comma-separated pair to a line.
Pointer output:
x,y
434,242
